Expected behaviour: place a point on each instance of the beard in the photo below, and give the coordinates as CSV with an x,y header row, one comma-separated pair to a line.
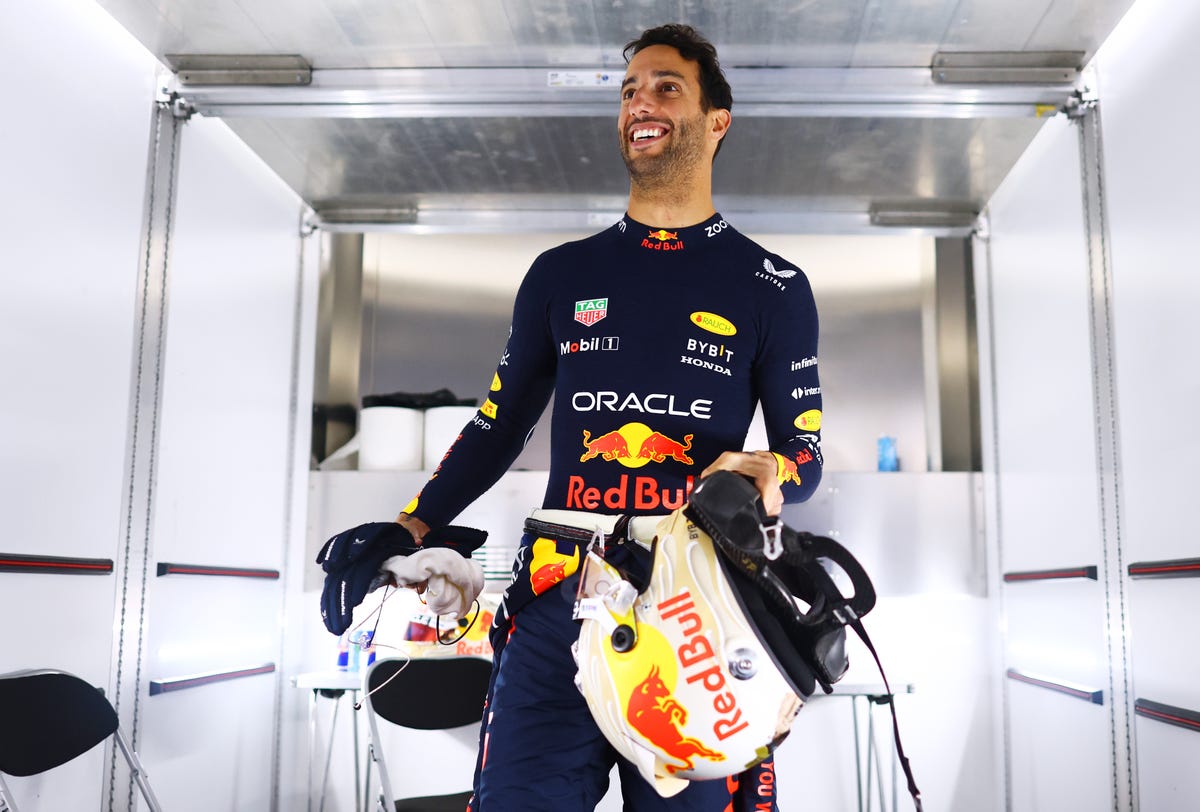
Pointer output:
x,y
679,158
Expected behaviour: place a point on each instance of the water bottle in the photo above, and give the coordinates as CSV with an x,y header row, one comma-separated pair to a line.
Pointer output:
x,y
369,645
355,651
343,655
888,461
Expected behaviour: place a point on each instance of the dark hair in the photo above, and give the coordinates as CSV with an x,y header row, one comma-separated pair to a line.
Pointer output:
x,y
693,47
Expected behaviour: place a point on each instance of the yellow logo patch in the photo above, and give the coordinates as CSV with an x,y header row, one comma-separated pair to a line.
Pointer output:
x,y
809,421
713,323
488,408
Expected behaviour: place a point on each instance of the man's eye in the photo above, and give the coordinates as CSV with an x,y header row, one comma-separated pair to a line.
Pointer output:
x,y
670,87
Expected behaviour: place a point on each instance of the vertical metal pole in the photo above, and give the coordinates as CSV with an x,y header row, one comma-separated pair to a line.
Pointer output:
x,y
858,780
150,332
990,426
1108,449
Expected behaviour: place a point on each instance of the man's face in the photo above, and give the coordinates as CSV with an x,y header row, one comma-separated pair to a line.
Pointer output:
x,y
663,130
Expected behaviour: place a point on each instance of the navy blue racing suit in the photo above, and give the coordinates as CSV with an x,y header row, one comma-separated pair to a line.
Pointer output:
x,y
657,345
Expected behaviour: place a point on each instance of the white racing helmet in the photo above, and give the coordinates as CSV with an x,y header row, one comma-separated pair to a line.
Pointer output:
x,y
700,674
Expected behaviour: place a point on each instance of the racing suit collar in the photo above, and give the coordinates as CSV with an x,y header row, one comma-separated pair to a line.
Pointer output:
x,y
657,238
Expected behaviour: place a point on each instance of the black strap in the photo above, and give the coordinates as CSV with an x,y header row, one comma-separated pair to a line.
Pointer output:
x,y
861,631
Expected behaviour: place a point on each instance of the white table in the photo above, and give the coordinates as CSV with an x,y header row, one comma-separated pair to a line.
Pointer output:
x,y
334,684
871,694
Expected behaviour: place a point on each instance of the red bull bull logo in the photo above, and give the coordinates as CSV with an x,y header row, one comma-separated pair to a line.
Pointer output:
x,y
635,444
658,447
610,446
788,470
548,566
653,712
663,240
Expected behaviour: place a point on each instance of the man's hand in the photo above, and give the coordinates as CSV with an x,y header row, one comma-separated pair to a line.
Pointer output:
x,y
413,525
760,466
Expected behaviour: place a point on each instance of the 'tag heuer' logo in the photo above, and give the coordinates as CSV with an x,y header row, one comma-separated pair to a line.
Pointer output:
x,y
590,311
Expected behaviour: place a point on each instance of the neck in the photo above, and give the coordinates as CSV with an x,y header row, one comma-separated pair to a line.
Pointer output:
x,y
684,202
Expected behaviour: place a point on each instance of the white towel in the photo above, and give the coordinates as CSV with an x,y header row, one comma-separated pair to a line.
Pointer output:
x,y
452,582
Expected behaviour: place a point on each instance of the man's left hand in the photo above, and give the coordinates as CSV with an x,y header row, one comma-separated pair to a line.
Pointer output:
x,y
761,467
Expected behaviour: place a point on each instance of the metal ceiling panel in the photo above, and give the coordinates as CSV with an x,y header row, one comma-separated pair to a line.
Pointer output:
x,y
837,110
840,163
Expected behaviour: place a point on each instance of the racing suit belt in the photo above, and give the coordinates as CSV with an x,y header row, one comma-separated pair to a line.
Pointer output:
x,y
581,526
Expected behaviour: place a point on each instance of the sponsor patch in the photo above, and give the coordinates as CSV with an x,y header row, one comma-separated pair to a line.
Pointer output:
x,y
590,311
711,355
809,421
663,240
609,343
712,323
773,275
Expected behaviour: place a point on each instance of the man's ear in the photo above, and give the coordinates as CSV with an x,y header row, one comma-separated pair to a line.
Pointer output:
x,y
719,121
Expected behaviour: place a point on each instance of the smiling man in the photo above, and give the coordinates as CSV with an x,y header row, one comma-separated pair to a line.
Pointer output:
x,y
657,338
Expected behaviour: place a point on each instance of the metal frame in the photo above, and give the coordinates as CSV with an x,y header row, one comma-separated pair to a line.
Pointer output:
x,y
1085,112
149,351
539,92
575,217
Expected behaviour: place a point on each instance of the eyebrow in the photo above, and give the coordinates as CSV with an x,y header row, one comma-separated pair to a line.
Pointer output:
x,y
658,74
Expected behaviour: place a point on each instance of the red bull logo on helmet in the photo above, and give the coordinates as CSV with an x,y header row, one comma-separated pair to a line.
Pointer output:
x,y
653,712
701,664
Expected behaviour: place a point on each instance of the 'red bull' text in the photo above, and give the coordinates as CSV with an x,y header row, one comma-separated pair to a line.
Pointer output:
x,y
645,494
701,665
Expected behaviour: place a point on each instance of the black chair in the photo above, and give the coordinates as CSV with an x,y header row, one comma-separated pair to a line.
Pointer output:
x,y
49,718
423,694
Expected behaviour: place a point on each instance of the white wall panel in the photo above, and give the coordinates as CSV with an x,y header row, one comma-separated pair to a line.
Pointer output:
x,y
1042,359
1162,749
1056,630
1149,146
222,472
1059,752
1162,617
1044,459
70,217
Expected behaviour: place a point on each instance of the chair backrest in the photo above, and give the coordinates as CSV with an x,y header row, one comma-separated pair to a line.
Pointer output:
x,y
437,693
49,717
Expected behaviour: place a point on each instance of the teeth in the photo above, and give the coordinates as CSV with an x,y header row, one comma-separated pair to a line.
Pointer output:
x,y
646,132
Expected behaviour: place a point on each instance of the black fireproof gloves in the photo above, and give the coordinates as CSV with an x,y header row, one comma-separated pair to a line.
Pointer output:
x,y
353,558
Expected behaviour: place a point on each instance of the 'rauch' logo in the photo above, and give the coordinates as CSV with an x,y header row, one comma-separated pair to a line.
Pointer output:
x,y
713,323
590,311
